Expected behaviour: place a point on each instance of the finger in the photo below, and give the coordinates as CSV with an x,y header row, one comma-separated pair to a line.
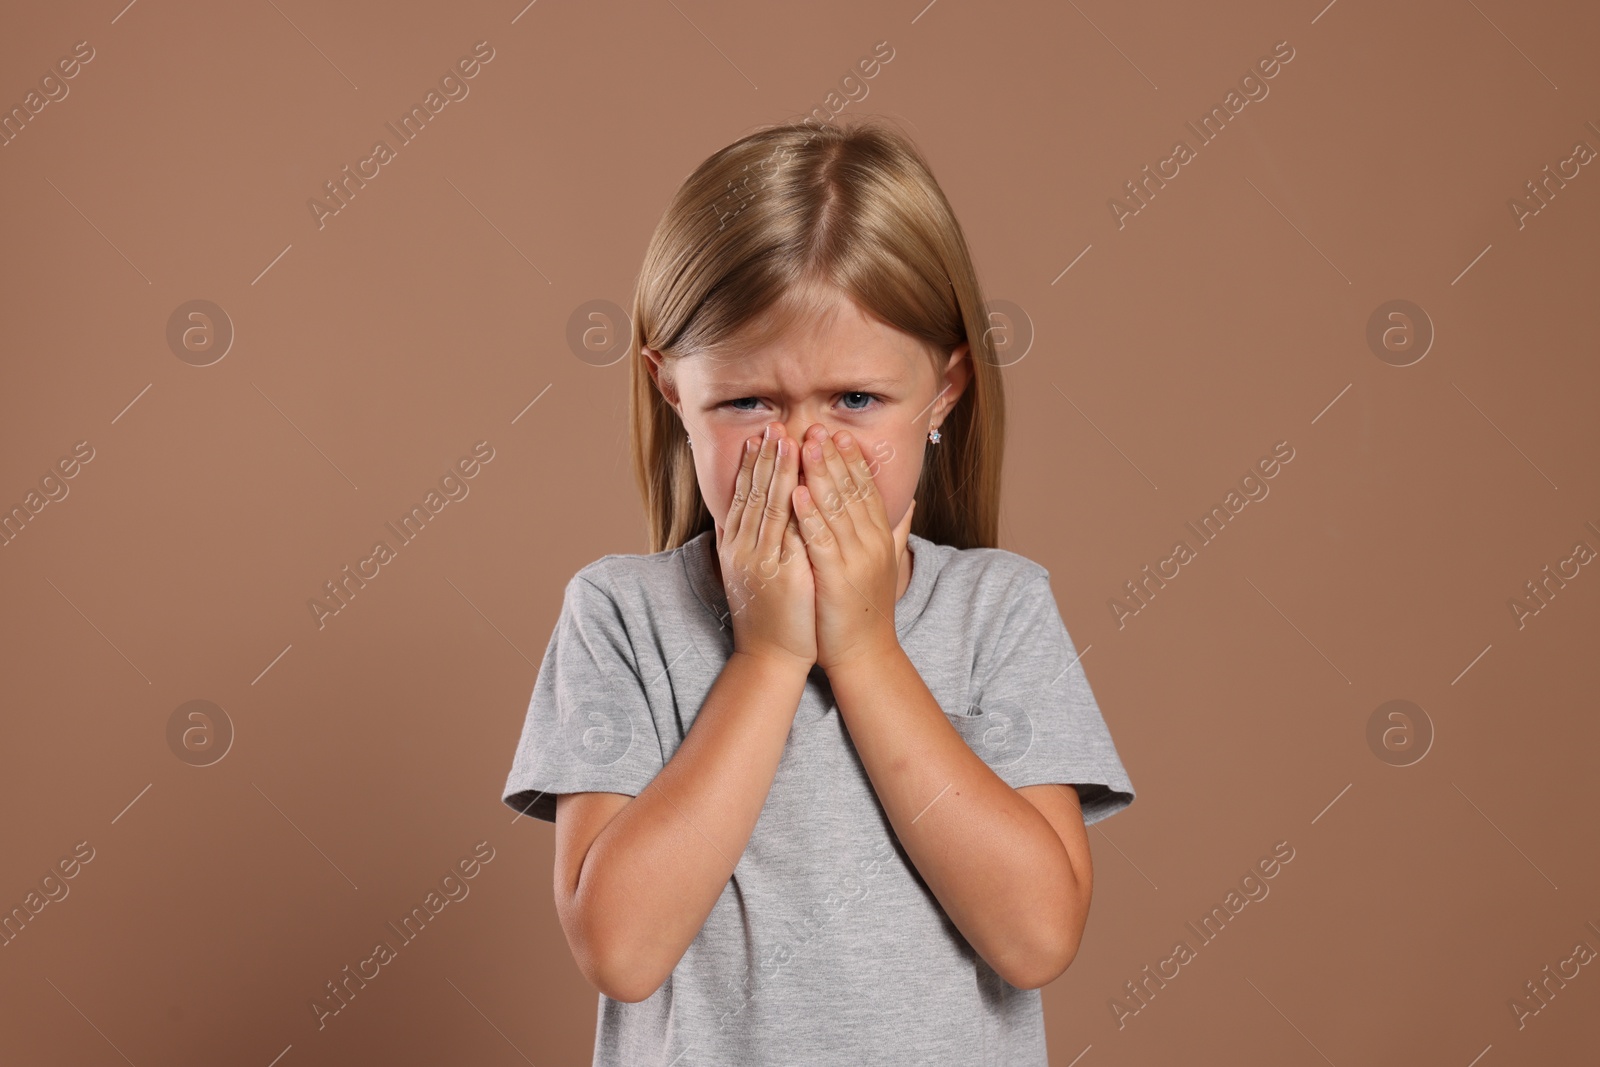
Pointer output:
x,y
826,498
808,499
785,475
814,529
741,491
850,519
861,473
794,545
760,484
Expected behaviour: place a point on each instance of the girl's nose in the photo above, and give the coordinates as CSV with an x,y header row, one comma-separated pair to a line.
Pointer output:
x,y
796,428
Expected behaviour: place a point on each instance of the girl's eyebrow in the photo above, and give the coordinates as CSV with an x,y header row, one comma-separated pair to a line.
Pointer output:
x,y
848,385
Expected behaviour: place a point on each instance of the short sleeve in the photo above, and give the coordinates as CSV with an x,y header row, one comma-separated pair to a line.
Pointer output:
x,y
1034,718
588,726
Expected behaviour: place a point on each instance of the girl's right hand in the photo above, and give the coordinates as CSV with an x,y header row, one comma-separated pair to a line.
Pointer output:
x,y
766,572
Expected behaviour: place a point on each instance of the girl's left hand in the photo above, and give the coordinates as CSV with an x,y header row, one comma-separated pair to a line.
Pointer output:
x,y
855,556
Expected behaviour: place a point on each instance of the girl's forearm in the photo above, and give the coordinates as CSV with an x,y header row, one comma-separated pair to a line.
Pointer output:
x,y
991,858
654,873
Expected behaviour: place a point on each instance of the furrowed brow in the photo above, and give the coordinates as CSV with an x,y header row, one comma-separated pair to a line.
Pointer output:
x,y
847,385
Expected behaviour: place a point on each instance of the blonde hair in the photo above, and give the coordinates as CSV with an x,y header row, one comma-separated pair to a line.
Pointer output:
x,y
752,234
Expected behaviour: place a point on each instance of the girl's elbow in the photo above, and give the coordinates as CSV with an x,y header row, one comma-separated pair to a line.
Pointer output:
x,y
602,950
1047,957
624,988
1042,969
611,976
617,973
1056,948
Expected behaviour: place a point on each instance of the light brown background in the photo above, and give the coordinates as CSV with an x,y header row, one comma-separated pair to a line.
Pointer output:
x,y
370,354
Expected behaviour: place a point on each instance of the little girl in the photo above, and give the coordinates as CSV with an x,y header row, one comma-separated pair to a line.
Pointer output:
x,y
821,762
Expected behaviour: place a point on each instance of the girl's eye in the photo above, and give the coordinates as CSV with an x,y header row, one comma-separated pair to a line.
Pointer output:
x,y
860,406
869,399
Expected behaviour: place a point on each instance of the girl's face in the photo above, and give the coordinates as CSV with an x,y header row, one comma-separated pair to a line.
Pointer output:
x,y
844,371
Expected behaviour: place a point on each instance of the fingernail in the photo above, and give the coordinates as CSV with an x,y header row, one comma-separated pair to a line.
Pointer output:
x,y
783,446
766,433
845,439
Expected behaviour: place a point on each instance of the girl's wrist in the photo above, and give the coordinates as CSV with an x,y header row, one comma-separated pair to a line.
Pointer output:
x,y
776,661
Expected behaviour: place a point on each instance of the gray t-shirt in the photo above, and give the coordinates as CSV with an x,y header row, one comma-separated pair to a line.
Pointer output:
x,y
826,945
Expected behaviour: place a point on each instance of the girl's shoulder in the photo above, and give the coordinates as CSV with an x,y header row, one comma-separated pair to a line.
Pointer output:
x,y
615,563
630,576
979,567
641,562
